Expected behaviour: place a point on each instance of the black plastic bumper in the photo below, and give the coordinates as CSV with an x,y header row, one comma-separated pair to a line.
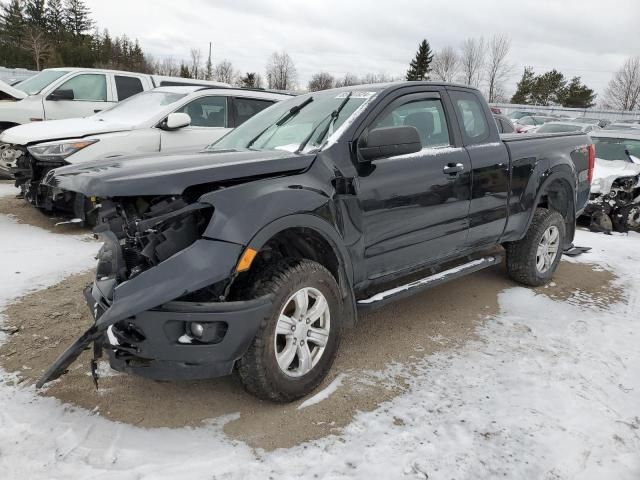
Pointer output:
x,y
157,343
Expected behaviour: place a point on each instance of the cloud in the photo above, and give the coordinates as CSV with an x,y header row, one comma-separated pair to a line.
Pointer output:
x,y
587,38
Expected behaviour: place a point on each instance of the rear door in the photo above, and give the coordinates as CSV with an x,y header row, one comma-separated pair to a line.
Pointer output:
x,y
415,206
209,121
91,94
489,166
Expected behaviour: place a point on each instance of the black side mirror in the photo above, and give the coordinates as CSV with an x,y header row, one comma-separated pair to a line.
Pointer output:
x,y
388,142
61,94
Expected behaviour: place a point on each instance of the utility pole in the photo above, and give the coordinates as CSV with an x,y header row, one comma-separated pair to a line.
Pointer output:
x,y
209,68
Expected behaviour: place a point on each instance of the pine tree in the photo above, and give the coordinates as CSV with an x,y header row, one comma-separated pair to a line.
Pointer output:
x,y
420,66
547,88
55,16
35,14
524,87
577,95
184,71
78,17
12,35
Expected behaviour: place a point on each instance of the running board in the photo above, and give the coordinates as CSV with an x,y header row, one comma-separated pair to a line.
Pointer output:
x,y
380,299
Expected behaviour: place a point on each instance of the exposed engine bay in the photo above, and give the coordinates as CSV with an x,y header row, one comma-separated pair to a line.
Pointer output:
x,y
141,232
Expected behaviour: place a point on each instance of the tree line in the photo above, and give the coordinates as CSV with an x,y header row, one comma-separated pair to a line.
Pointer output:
x,y
38,34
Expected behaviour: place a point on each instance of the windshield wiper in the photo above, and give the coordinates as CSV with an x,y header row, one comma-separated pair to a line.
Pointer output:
x,y
333,116
293,111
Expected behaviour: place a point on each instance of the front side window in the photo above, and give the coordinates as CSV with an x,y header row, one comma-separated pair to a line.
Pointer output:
x,y
471,116
127,86
207,112
89,87
427,116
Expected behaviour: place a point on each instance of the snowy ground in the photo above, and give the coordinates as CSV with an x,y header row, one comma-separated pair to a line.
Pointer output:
x,y
551,390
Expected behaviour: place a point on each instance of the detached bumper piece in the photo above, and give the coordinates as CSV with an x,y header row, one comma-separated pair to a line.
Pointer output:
x,y
185,340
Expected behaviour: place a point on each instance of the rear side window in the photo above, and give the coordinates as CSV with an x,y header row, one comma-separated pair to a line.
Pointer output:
x,y
472,117
127,86
427,116
245,108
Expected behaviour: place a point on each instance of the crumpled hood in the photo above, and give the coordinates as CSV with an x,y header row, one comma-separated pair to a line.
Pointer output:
x,y
12,92
608,171
60,129
171,174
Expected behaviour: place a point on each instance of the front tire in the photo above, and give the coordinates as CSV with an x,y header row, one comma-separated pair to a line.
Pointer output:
x,y
534,259
297,343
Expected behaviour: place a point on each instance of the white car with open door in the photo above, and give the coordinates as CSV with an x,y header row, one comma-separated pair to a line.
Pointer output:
x,y
164,119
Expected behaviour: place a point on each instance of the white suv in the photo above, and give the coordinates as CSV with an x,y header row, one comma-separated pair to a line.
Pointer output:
x,y
165,119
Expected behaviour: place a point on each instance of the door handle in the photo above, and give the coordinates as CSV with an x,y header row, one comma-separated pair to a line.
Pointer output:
x,y
453,168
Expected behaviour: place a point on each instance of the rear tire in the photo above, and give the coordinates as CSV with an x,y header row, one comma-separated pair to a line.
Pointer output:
x,y
534,259
286,359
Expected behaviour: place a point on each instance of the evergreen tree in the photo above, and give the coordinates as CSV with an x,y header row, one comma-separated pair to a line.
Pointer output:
x,y
547,88
184,71
577,95
78,17
524,87
55,16
420,66
12,34
35,14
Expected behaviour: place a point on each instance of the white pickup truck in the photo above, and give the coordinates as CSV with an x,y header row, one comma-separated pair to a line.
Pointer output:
x,y
57,93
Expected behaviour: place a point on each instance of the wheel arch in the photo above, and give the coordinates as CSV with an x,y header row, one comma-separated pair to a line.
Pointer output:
x,y
312,237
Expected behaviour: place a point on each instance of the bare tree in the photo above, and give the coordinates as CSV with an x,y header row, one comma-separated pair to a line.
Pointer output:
x,y
35,42
195,69
472,61
377,78
167,66
446,65
348,80
623,91
224,72
497,68
321,81
281,72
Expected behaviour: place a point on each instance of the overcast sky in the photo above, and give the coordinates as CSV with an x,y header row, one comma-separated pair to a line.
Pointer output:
x,y
587,38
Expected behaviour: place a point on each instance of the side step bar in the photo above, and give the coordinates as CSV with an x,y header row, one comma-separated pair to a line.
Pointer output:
x,y
380,299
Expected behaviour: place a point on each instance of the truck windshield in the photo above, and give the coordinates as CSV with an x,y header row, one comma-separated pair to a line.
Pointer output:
x,y
35,84
276,128
140,107
616,148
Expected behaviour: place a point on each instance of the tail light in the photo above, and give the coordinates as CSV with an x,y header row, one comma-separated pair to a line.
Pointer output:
x,y
592,162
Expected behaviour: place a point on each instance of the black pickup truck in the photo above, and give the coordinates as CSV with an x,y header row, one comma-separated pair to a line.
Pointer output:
x,y
254,254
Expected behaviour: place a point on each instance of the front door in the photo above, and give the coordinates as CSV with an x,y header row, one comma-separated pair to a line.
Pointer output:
x,y
415,207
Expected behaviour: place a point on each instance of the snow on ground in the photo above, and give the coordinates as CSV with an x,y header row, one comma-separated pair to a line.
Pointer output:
x,y
551,390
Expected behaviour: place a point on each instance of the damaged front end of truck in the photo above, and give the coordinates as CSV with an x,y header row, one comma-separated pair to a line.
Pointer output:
x,y
160,298
614,203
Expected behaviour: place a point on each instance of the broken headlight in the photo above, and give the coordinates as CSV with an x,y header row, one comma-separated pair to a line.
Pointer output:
x,y
51,152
